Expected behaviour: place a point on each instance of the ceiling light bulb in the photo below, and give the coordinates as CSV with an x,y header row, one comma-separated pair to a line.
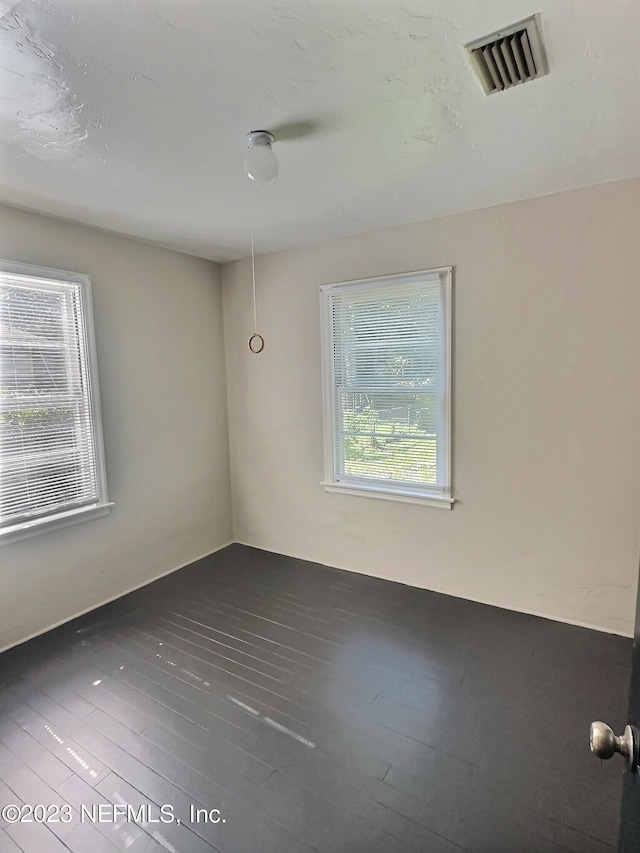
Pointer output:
x,y
260,163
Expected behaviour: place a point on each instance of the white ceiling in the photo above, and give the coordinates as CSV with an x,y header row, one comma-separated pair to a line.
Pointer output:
x,y
130,115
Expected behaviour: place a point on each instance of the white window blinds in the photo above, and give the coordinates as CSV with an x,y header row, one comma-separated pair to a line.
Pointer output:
x,y
387,384
51,463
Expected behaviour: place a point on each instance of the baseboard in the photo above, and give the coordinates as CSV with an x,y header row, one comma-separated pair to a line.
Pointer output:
x,y
620,633
540,615
114,598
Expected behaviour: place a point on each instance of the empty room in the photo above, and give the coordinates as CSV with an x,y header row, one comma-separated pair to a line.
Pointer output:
x,y
319,426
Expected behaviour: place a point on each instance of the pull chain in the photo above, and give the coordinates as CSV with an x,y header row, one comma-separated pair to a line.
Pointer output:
x,y
256,341
253,275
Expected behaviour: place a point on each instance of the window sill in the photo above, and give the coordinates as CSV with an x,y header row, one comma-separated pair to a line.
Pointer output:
x,y
53,522
408,497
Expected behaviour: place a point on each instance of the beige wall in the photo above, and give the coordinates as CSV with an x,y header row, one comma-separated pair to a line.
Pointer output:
x,y
546,409
158,318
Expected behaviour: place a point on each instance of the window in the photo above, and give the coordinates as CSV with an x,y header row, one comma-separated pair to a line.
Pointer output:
x,y
51,455
387,393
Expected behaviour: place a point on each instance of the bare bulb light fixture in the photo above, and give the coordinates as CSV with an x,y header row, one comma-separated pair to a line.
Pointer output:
x,y
260,163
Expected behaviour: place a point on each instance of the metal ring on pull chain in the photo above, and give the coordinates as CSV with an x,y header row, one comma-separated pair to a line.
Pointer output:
x,y
256,343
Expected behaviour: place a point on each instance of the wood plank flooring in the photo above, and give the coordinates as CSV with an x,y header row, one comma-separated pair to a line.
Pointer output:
x,y
315,710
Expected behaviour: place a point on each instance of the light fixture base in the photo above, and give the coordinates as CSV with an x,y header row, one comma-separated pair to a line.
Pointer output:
x,y
259,137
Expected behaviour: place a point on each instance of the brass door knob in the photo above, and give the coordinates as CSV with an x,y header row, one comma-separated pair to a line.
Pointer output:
x,y
604,743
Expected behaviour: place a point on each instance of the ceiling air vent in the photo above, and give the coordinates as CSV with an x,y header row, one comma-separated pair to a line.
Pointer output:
x,y
510,56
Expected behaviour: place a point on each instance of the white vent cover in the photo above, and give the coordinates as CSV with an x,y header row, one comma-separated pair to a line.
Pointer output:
x,y
510,56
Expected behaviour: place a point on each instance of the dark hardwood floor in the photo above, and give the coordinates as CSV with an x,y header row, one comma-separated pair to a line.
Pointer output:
x,y
315,709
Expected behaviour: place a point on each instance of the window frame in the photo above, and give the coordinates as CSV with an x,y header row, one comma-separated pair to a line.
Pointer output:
x,y
102,506
403,491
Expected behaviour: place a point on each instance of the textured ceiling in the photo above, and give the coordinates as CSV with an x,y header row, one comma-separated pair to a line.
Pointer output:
x,y
131,114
